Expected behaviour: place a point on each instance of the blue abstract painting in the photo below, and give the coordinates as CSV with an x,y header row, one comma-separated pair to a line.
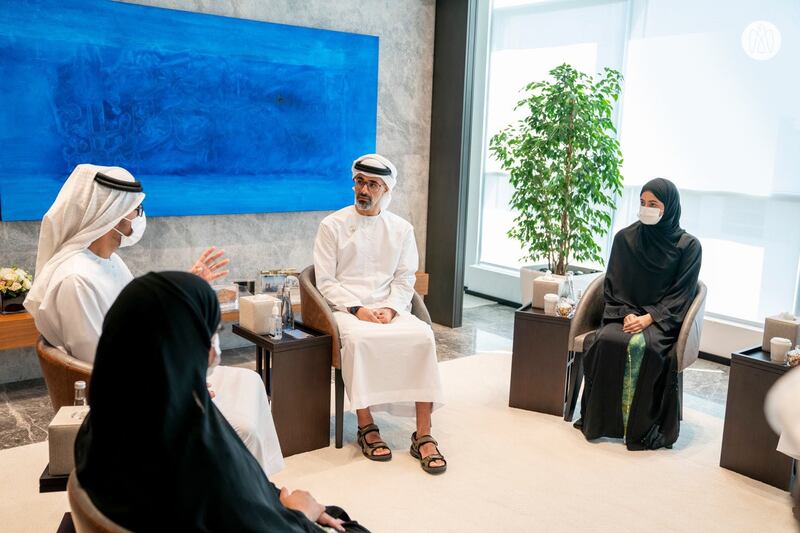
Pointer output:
x,y
214,115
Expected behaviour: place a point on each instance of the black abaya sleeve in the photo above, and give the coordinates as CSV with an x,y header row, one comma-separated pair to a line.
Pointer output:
x,y
616,308
669,312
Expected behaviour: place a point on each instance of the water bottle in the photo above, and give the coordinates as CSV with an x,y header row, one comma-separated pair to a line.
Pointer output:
x,y
276,326
566,296
567,291
80,393
287,315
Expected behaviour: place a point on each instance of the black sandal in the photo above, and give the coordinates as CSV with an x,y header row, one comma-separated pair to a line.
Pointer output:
x,y
425,462
369,448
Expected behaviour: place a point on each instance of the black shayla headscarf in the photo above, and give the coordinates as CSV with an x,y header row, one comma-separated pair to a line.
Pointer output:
x,y
154,452
659,240
653,268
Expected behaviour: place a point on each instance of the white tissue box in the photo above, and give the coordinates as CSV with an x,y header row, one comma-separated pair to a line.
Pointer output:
x,y
255,312
786,326
61,437
541,286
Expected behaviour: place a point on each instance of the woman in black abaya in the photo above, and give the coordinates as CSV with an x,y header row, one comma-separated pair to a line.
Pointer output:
x,y
631,388
155,453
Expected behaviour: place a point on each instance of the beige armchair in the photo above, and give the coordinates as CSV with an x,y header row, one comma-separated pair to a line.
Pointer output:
x,y
587,320
85,516
61,371
317,314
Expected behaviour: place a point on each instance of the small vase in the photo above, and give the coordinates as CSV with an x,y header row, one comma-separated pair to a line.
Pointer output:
x,y
10,305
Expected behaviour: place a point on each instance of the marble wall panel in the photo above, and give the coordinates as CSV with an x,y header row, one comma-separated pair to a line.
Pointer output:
x,y
272,240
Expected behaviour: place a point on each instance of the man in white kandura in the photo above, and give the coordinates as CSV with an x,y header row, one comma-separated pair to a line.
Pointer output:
x,y
79,275
365,260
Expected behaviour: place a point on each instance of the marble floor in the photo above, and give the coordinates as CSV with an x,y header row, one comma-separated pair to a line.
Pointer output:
x,y
25,409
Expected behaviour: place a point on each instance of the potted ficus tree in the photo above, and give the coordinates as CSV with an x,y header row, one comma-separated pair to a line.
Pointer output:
x,y
563,160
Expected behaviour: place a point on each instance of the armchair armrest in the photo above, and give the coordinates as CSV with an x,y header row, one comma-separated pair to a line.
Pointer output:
x,y
588,315
579,341
687,347
317,313
419,310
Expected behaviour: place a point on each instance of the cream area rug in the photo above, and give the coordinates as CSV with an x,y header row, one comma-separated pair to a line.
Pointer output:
x,y
509,471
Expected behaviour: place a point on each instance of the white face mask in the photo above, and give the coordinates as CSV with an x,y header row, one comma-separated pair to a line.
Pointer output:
x,y
138,225
649,215
217,355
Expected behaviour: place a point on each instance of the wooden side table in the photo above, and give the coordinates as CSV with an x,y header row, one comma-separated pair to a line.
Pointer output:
x,y
748,443
297,376
539,361
51,483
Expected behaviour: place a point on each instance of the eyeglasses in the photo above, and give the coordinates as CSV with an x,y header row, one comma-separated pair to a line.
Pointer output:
x,y
373,186
140,210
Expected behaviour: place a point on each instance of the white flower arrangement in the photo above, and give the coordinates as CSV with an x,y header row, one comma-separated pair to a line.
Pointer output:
x,y
14,282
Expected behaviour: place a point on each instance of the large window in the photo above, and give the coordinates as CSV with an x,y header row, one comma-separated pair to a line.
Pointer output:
x,y
528,39
709,101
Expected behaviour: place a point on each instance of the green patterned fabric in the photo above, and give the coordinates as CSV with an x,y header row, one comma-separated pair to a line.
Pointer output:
x,y
633,363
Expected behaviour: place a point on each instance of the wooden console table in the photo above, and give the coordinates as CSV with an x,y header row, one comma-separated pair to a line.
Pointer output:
x,y
19,330
539,361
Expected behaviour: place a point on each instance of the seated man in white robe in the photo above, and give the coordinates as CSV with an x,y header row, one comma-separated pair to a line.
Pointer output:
x,y
79,276
365,260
